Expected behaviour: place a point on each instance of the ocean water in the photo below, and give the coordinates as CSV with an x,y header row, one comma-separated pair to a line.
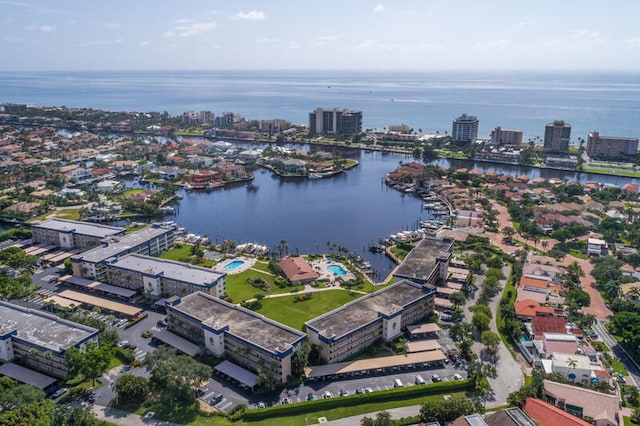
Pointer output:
x,y
427,101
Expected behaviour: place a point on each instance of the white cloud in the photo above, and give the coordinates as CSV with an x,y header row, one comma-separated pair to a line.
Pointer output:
x,y
144,43
373,44
188,28
101,42
580,38
293,45
635,41
266,40
324,40
494,44
41,28
379,8
253,15
13,39
111,26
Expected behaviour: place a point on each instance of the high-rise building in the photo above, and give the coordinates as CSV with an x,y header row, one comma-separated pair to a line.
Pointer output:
x,y
500,136
197,117
610,146
556,137
335,122
465,128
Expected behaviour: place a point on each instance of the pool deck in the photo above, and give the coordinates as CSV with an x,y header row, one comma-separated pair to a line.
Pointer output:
x,y
322,267
248,263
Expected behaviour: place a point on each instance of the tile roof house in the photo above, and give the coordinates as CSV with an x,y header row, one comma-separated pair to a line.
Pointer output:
x,y
527,309
541,325
548,415
540,285
297,269
600,408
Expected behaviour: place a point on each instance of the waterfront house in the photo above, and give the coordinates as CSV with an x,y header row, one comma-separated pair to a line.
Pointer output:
x,y
298,269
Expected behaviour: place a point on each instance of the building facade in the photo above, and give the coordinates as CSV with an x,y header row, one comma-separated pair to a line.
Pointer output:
x,y
72,234
238,334
465,129
39,340
335,122
381,315
500,136
158,278
556,137
611,147
149,241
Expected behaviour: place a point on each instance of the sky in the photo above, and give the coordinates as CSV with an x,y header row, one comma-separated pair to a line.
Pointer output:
x,y
328,34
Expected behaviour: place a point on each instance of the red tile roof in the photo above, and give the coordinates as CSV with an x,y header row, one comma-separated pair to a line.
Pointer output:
x,y
548,415
533,282
542,325
297,269
531,308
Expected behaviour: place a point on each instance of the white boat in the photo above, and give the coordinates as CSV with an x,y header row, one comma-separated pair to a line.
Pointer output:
x,y
315,176
167,209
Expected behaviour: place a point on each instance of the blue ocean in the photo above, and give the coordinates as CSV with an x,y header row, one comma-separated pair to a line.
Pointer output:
x,y
427,101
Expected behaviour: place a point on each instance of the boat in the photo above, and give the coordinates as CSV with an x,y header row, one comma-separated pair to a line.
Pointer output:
x,y
315,176
167,209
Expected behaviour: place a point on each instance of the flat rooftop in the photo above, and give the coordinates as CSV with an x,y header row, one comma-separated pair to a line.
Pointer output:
x,y
366,309
41,328
108,304
435,356
169,269
421,261
77,227
25,375
115,246
242,322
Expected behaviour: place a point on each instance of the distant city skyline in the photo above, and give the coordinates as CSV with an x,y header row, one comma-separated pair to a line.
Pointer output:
x,y
414,35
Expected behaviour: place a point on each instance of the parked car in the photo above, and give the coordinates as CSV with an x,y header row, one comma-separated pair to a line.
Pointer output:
x,y
436,378
311,397
327,395
457,377
359,391
344,392
368,390
216,399
397,383
286,401
262,405
150,415
59,393
162,323
419,380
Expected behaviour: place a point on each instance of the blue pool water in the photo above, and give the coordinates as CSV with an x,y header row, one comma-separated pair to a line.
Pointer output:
x,y
233,265
337,270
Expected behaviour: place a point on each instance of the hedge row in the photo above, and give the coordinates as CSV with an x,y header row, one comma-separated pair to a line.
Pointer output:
x,y
135,321
348,401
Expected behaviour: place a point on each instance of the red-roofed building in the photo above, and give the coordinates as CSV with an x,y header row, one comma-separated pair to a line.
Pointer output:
x,y
539,285
548,415
298,269
528,308
631,188
541,325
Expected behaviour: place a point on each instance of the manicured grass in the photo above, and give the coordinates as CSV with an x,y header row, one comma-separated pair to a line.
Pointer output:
x,y
239,289
628,422
134,228
71,213
294,314
262,266
179,251
618,367
131,192
600,346
614,172
342,412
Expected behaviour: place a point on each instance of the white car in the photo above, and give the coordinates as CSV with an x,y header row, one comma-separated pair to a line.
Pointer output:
x,y
150,415
457,377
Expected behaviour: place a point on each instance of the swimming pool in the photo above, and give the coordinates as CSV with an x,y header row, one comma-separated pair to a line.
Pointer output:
x,y
233,265
337,270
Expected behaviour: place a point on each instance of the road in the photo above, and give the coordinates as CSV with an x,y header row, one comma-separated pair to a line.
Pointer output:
x,y
619,352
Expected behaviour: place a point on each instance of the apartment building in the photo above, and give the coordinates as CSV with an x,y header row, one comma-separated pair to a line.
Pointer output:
x,y
335,122
465,129
162,278
149,241
246,338
72,234
610,147
39,340
427,263
556,137
381,315
500,136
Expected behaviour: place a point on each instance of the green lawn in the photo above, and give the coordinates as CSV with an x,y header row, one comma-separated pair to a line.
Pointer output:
x,y
294,314
600,346
180,251
618,367
239,289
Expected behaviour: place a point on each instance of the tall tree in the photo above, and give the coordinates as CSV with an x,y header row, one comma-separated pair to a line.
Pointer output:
x,y
91,362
